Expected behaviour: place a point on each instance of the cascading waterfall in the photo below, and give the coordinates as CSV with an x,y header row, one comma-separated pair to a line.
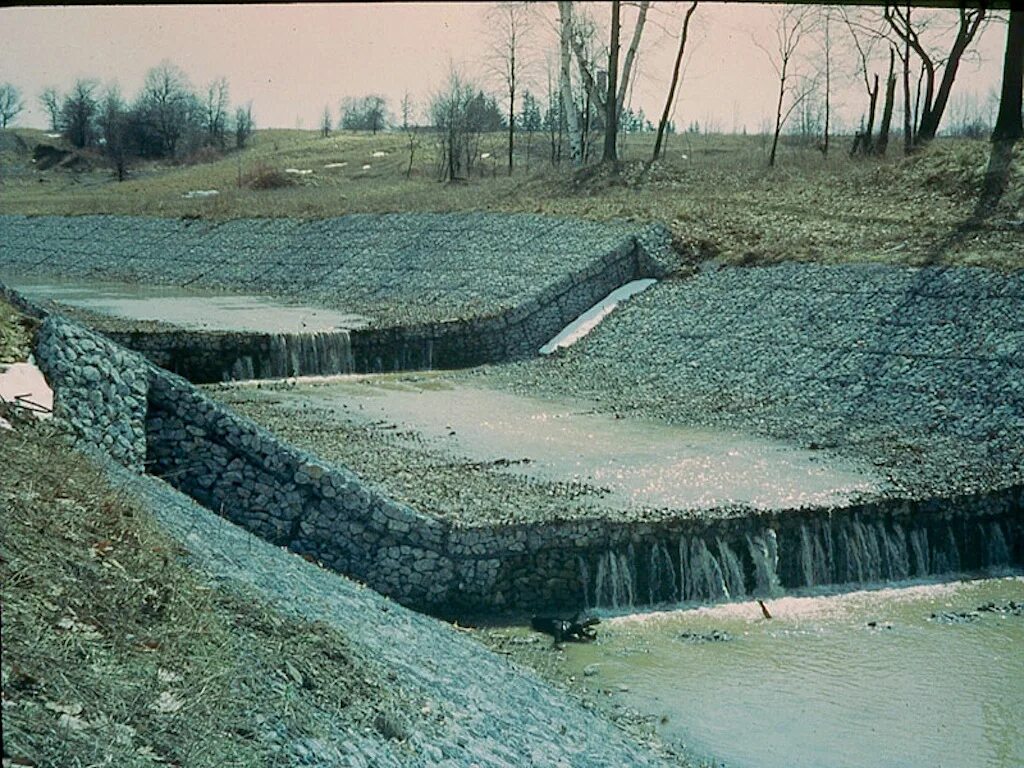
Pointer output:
x,y
701,576
662,585
732,569
764,552
615,581
997,551
317,353
311,354
817,552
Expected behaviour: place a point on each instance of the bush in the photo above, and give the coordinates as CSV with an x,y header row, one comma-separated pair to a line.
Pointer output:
x,y
264,177
205,154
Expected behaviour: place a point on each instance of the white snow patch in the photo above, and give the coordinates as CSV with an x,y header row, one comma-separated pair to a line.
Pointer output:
x,y
24,384
590,319
299,171
201,193
53,135
335,165
366,167
380,153
485,155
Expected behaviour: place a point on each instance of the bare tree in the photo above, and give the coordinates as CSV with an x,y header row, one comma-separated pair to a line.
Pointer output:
x,y
326,122
244,125
826,52
670,99
450,115
791,26
167,106
935,99
78,113
596,93
510,23
11,103
882,143
865,37
407,110
631,54
50,100
112,122
611,126
1008,127
215,112
569,111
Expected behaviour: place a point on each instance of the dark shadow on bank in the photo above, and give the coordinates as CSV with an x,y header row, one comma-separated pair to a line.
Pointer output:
x,y
993,188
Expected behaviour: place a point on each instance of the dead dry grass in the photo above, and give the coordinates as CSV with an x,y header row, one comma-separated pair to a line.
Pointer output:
x,y
115,653
715,193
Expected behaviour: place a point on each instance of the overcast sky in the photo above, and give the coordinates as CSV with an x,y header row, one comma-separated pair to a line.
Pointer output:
x,y
291,60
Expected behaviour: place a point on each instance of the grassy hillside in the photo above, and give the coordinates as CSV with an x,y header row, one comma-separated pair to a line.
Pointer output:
x,y
115,652
715,192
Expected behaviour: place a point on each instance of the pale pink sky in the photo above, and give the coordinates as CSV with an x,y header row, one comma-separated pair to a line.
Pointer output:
x,y
291,60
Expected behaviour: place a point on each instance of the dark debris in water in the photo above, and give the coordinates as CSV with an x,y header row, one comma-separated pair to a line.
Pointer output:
x,y
714,636
1009,608
955,617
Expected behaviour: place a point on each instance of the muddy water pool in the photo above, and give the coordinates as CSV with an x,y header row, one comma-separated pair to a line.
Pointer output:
x,y
857,680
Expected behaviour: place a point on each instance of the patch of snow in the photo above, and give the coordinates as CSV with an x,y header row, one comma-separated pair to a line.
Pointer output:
x,y
201,193
685,157
53,135
335,165
24,384
298,171
590,319
5,424
379,153
366,167
485,155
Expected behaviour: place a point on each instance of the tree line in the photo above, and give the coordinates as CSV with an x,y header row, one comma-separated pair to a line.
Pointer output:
x,y
167,119
907,60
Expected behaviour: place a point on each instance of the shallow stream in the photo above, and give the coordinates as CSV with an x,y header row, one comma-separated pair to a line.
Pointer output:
x,y
859,680
635,461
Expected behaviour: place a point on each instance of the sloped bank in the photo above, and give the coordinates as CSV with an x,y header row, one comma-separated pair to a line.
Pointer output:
x,y
438,290
293,499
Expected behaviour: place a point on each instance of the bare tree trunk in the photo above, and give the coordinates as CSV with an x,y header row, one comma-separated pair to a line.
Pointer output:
x,y
921,113
634,46
778,118
828,84
663,123
869,132
969,26
511,103
611,120
572,121
908,125
890,96
1008,123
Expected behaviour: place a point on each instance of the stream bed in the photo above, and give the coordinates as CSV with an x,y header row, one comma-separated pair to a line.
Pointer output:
x,y
190,308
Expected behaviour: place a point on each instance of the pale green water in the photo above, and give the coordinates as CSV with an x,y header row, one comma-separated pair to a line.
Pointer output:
x,y
817,687
637,461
